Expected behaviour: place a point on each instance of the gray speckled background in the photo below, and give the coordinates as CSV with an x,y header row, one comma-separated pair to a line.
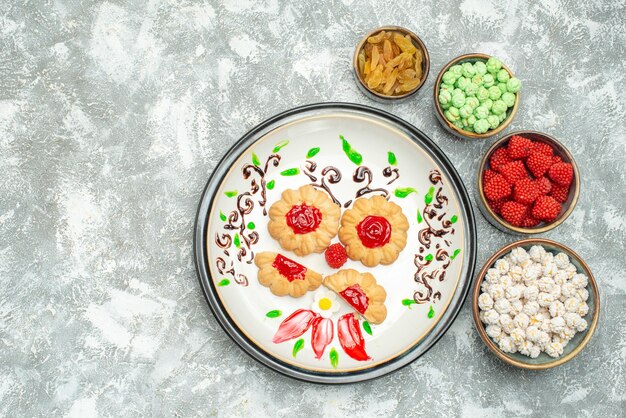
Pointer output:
x,y
112,116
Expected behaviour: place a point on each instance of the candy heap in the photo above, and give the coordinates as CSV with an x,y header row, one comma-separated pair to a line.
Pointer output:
x,y
526,183
475,97
533,301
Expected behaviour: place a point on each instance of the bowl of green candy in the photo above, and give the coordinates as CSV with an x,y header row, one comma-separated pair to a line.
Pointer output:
x,y
476,96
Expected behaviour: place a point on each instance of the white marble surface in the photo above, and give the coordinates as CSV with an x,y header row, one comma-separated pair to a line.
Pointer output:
x,y
112,116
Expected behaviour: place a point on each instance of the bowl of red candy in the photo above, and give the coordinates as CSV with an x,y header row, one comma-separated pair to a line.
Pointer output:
x,y
528,183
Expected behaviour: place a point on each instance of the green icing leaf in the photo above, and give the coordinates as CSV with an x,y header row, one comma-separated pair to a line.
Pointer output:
x,y
456,252
236,241
312,152
224,282
429,257
404,192
352,154
429,196
299,345
270,185
419,217
255,160
454,219
408,302
290,172
274,313
431,312
231,193
251,225
280,145
367,327
334,357
391,158
222,216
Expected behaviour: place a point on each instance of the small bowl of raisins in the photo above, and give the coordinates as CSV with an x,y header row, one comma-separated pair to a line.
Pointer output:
x,y
391,63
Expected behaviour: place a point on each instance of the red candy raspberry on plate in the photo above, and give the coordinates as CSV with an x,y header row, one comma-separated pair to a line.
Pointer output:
x,y
538,163
519,147
546,209
525,191
514,171
497,188
499,158
561,173
514,212
336,255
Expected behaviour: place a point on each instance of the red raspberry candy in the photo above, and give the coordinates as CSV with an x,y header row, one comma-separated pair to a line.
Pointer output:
x,y
488,175
514,212
519,147
525,191
530,222
560,193
336,255
538,163
546,209
542,148
561,173
496,205
499,158
514,171
497,188
544,185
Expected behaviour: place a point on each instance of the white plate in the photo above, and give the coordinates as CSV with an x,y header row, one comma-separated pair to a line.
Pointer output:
x,y
425,286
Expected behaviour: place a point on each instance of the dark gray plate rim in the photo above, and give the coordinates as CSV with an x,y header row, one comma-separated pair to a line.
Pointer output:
x,y
208,287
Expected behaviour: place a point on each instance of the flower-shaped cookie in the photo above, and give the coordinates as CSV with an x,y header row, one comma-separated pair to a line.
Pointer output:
x,y
361,291
374,231
284,276
304,220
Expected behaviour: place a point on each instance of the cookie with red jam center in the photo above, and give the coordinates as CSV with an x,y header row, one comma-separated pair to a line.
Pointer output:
x,y
285,276
374,231
361,292
304,220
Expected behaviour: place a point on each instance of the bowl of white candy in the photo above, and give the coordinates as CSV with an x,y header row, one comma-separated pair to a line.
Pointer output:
x,y
535,304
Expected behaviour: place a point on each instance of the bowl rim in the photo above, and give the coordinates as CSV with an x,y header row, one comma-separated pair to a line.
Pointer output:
x,y
416,39
544,228
450,125
476,310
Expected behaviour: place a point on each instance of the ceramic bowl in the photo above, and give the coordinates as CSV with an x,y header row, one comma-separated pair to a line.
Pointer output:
x,y
417,41
567,206
576,344
449,126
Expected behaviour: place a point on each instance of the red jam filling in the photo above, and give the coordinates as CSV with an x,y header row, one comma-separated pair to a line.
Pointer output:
x,y
289,269
356,297
374,231
303,218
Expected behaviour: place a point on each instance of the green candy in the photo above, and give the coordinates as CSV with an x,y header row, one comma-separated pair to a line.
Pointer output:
x,y
480,68
513,85
502,116
464,122
458,100
471,89
478,80
499,107
482,94
494,93
449,77
468,70
471,120
469,128
452,114
461,82
446,106
447,87
493,65
508,98
481,126
502,87
488,80
487,103
456,70
493,121
457,91
445,97
503,76
472,102
465,111
481,112
458,124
